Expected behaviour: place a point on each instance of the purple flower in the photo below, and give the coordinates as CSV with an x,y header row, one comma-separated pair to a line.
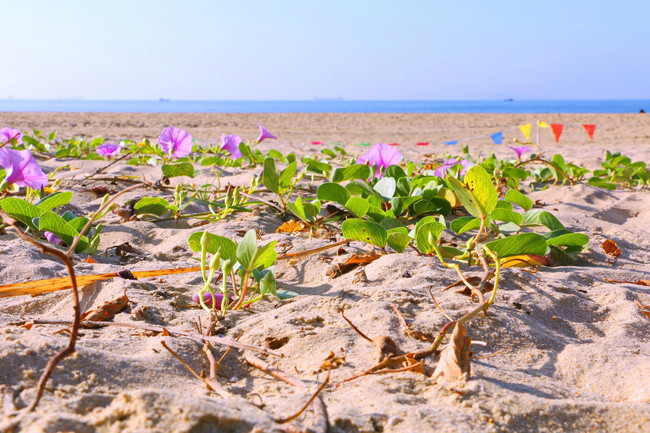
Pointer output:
x,y
7,134
52,238
441,171
22,169
207,298
520,150
175,142
466,166
264,134
108,150
231,144
381,155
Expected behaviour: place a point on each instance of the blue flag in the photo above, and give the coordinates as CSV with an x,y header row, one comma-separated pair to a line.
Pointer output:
x,y
451,143
497,137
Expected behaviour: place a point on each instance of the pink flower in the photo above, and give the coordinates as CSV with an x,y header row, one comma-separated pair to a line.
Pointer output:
x,y
264,134
52,238
381,155
175,142
520,150
7,134
207,298
441,171
231,144
108,150
22,169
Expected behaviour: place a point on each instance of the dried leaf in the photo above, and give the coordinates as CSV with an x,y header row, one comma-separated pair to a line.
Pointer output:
x,y
637,282
464,290
165,332
89,259
610,247
292,226
38,287
331,362
28,325
454,361
525,260
363,259
276,342
107,311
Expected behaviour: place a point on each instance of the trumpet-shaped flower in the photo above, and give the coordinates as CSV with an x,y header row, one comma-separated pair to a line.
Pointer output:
x,y
175,142
52,238
108,150
230,143
520,150
264,134
441,171
381,155
7,134
22,169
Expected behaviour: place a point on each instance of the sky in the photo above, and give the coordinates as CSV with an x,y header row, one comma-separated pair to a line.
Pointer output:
x,y
301,49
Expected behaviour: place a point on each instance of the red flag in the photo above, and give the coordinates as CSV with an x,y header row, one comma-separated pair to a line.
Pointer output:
x,y
422,143
557,131
590,130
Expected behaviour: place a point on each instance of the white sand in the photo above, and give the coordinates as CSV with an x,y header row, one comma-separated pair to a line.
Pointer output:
x,y
565,350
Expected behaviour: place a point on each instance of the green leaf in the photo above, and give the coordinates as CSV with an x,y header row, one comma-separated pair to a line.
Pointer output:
x,y
524,243
465,196
504,205
394,171
566,238
54,200
271,176
226,247
287,175
49,221
434,205
297,209
541,217
358,206
78,223
391,223
385,187
398,241
248,248
514,196
365,231
175,170
353,172
479,183
463,224
423,234
285,294
152,206
506,215
333,192
601,183
268,285
21,210
265,256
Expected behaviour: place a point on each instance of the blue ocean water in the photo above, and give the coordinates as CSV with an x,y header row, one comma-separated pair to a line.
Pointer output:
x,y
328,106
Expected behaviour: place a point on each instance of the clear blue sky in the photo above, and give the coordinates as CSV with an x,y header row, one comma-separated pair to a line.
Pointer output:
x,y
300,49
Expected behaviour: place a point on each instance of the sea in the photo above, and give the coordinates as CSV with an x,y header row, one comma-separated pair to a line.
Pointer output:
x,y
327,106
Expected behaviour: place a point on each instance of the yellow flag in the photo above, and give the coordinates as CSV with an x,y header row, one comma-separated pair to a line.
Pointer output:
x,y
525,129
543,124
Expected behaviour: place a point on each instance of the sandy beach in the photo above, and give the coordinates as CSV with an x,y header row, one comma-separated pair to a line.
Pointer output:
x,y
561,349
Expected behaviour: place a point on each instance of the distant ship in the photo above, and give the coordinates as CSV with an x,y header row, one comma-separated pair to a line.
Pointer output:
x,y
508,100
163,99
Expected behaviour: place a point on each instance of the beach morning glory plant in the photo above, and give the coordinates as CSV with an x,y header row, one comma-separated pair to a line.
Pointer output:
x,y
381,155
176,142
264,134
520,150
108,150
22,169
441,171
230,143
8,134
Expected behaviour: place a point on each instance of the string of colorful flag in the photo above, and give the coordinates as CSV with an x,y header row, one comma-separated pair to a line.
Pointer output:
x,y
526,130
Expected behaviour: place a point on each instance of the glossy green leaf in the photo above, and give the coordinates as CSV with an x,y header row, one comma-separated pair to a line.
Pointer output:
x,y
333,192
226,247
353,172
358,206
54,200
151,206
463,224
398,241
506,215
21,210
425,233
365,231
523,243
175,170
271,176
514,196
